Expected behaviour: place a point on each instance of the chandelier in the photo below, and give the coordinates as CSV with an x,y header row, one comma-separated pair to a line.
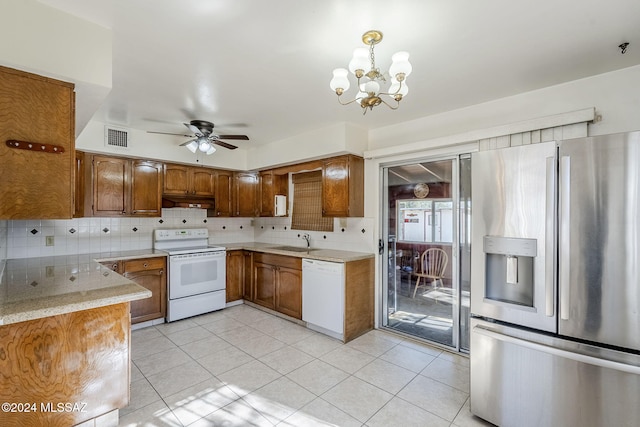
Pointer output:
x,y
370,82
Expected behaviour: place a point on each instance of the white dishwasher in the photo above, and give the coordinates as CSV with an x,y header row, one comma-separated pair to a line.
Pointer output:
x,y
323,296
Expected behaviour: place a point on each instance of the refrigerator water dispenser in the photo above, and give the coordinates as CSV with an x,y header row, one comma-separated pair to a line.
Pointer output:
x,y
509,269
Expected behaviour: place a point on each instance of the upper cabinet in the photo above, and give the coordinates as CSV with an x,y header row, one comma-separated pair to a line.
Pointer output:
x,y
343,186
117,186
39,113
245,194
224,193
180,180
271,184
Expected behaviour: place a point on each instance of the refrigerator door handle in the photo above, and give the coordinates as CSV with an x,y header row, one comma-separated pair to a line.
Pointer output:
x,y
554,351
565,235
549,237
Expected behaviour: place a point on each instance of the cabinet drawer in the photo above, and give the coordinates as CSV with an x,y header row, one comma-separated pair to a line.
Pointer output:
x,y
144,264
279,260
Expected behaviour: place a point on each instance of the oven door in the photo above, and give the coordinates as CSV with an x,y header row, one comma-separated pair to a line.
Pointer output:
x,y
198,273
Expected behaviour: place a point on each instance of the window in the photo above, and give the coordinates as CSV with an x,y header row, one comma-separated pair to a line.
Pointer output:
x,y
307,203
425,220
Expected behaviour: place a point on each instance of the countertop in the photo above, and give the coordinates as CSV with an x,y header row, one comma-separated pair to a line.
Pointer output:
x,y
33,288
332,255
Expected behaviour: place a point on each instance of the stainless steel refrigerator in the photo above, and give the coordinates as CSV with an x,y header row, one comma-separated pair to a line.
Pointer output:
x,y
555,283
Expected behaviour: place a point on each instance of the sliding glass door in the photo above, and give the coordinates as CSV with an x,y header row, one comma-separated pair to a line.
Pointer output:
x,y
421,219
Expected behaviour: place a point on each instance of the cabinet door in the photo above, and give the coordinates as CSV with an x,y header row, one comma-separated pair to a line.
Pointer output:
x,y
246,194
148,273
248,288
266,193
39,110
235,275
343,186
176,180
335,187
79,181
203,182
146,188
264,282
224,193
109,186
289,291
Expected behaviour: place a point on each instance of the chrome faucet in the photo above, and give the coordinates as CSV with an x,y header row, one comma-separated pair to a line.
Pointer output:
x,y
306,237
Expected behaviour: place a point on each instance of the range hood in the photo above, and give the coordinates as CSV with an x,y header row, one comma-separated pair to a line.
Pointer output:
x,y
188,202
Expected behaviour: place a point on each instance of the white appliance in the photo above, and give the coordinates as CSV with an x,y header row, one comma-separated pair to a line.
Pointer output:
x,y
197,272
323,296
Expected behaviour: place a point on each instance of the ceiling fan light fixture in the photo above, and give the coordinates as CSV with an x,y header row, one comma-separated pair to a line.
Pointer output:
x,y
211,150
192,146
204,145
371,89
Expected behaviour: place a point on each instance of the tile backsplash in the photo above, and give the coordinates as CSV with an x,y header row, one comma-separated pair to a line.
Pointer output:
x,y
35,238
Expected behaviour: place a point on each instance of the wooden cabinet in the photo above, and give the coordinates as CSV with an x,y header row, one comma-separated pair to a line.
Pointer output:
x,y
248,288
271,184
245,194
289,291
79,180
224,193
343,186
151,274
124,187
180,180
239,276
36,183
277,283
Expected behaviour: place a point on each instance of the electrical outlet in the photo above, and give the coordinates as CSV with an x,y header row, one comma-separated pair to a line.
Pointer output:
x,y
49,271
50,241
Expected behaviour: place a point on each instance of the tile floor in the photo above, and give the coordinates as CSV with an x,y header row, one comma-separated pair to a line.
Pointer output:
x,y
244,367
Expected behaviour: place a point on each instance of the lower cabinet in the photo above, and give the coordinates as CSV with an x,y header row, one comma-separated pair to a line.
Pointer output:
x,y
236,274
149,273
277,283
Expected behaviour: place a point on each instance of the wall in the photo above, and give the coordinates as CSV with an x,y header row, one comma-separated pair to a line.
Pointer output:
x,y
160,147
27,239
333,140
61,46
614,96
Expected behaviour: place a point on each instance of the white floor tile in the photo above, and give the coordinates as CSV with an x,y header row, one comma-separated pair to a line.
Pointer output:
x,y
245,367
318,376
357,398
434,396
401,413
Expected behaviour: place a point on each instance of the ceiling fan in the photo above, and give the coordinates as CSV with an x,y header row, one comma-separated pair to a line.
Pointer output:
x,y
203,137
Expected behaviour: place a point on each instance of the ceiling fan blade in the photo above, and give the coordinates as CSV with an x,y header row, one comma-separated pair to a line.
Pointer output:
x,y
224,144
167,133
240,137
188,142
194,129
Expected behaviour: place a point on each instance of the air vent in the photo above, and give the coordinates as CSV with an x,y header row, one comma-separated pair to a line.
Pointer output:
x,y
116,137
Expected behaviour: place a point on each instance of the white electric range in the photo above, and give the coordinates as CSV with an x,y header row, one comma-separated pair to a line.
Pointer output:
x,y
197,272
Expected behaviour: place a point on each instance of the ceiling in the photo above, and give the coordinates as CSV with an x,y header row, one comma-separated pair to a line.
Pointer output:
x,y
262,68
414,173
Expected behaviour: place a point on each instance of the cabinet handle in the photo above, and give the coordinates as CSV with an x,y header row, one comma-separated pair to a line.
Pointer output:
x,y
161,271
145,265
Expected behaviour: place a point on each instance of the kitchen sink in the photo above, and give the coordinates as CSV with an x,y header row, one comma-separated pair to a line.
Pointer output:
x,y
291,248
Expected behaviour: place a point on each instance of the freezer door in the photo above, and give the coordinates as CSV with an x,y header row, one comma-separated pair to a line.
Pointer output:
x,y
599,239
520,378
513,229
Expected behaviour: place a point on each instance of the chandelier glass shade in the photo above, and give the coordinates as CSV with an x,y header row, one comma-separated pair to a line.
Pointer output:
x,y
370,81
201,144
